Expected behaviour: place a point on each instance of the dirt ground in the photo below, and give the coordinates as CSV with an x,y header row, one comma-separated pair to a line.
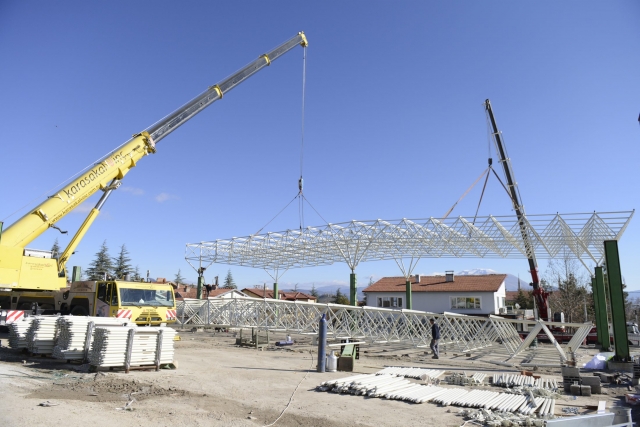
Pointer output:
x,y
220,384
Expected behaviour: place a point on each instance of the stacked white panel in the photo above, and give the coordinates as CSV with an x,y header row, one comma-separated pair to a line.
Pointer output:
x,y
18,333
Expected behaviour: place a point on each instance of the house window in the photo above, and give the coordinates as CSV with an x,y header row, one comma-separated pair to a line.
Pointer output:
x,y
388,302
395,302
465,303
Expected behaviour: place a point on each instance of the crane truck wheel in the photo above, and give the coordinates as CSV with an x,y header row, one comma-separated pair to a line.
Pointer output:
x,y
79,311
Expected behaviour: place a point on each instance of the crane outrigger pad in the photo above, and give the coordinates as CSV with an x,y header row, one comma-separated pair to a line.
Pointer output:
x,y
577,235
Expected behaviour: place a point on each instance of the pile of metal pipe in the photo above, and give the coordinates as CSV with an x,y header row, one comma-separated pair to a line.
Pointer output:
x,y
71,334
417,373
450,395
517,380
463,379
18,333
41,334
392,387
115,346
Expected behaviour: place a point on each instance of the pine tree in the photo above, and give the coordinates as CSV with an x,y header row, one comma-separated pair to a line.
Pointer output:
x,y
178,278
136,274
228,281
122,266
340,298
101,265
55,249
314,292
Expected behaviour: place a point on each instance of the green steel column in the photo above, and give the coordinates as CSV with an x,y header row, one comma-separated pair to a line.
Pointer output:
x,y
409,303
199,291
353,288
616,296
597,310
275,291
602,322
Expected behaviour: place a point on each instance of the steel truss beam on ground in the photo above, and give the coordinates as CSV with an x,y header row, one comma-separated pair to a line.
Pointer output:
x,y
576,235
374,325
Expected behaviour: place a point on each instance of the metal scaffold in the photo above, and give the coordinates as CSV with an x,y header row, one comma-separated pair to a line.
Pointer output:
x,y
375,325
578,235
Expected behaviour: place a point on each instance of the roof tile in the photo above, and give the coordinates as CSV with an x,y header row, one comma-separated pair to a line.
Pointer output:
x,y
479,283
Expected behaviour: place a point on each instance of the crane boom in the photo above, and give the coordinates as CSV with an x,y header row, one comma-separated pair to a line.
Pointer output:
x,y
539,294
106,175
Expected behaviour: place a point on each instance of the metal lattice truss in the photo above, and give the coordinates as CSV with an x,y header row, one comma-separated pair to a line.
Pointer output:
x,y
549,236
371,324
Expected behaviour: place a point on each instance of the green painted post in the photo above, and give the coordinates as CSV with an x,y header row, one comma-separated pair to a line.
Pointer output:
x,y
408,296
597,310
602,322
199,291
353,289
616,296
275,291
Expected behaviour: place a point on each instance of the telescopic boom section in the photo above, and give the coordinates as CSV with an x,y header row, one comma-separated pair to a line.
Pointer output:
x,y
539,294
117,164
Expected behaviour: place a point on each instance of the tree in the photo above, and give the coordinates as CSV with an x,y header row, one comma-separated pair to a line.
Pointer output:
x,y
55,249
136,274
101,265
314,292
571,294
295,288
340,298
178,278
228,281
524,300
122,265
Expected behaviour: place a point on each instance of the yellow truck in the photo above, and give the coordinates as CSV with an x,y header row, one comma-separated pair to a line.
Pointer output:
x,y
32,279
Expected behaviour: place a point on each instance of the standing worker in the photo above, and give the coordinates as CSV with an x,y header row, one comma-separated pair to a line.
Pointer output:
x,y
435,339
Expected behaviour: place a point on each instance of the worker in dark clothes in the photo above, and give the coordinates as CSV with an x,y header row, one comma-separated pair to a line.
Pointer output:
x,y
435,339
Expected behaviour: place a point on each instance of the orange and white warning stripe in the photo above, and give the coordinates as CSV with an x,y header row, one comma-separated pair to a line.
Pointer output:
x,y
171,314
124,314
14,316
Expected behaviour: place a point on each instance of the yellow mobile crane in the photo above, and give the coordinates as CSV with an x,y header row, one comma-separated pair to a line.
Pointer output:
x,y
35,278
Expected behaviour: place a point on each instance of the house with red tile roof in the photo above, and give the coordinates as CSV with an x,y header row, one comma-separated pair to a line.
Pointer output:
x,y
473,295
183,292
286,296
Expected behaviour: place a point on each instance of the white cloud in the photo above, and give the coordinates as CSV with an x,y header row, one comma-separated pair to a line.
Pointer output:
x,y
83,208
132,190
163,197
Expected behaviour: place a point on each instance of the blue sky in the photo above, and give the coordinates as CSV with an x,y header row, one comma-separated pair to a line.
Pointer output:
x,y
394,126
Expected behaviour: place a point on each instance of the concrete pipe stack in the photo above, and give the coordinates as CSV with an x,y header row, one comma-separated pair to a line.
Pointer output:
x,y
18,333
41,334
71,336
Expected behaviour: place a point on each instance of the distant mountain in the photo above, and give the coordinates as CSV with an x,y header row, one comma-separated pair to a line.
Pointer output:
x,y
476,272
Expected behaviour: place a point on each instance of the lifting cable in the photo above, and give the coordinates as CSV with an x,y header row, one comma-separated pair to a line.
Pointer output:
x,y
300,195
301,180
484,187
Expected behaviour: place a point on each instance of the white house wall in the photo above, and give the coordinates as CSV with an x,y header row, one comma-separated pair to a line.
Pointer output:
x,y
439,302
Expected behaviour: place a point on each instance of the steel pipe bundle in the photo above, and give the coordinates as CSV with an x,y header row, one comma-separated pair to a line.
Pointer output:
x,y
516,380
452,394
462,378
71,334
417,373
18,333
41,334
115,346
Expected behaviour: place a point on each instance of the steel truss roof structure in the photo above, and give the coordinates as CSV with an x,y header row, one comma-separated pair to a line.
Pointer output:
x,y
372,324
578,235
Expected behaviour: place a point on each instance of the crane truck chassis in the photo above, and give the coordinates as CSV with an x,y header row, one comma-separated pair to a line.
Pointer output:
x,y
35,280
